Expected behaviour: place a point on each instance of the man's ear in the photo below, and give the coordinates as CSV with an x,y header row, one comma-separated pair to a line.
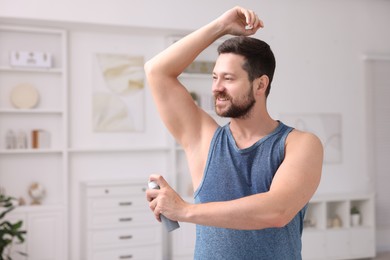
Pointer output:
x,y
261,84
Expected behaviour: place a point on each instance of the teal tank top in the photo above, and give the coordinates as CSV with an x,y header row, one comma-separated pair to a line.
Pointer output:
x,y
232,173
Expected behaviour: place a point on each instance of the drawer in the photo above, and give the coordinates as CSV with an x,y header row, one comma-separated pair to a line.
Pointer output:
x,y
136,253
125,237
121,219
117,190
118,204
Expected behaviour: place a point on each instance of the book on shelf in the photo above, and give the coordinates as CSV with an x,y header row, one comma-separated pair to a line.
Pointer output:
x,y
40,139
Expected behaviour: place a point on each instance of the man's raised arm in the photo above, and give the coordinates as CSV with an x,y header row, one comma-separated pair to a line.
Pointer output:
x,y
183,118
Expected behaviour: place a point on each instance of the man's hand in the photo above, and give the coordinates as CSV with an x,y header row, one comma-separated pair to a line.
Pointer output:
x,y
240,21
165,200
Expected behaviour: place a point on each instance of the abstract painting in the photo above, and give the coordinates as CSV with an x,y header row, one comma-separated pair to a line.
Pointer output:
x,y
118,93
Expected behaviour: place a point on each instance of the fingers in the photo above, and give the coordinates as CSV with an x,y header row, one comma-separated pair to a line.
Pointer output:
x,y
153,205
252,20
152,195
159,180
154,177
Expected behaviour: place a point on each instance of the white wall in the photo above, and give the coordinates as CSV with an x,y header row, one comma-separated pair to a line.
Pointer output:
x,y
319,46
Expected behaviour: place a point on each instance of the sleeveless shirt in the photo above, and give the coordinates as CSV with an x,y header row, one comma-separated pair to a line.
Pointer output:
x,y
232,173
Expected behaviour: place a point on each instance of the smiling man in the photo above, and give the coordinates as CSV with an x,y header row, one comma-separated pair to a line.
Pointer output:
x,y
253,177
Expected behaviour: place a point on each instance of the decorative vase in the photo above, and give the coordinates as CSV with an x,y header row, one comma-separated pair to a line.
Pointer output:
x,y
355,220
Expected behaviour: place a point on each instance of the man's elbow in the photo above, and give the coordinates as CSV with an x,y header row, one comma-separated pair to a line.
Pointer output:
x,y
151,73
148,68
280,219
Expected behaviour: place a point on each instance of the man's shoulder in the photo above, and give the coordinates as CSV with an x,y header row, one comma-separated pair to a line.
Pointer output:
x,y
303,139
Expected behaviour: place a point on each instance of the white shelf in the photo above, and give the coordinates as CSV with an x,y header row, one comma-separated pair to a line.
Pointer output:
x,y
340,197
329,233
30,151
30,70
22,29
30,111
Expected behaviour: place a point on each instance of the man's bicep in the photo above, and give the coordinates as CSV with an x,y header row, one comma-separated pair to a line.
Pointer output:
x,y
299,175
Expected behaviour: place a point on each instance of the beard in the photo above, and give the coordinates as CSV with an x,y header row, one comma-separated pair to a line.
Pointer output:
x,y
238,109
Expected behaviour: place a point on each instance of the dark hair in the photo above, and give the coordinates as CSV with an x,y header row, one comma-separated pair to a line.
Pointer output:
x,y
259,58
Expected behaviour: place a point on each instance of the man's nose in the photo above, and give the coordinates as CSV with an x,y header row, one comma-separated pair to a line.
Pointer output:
x,y
217,86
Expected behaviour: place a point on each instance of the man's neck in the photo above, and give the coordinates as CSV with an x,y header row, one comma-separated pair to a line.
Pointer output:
x,y
248,131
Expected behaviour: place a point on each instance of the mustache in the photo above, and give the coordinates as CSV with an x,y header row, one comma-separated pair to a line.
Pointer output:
x,y
222,95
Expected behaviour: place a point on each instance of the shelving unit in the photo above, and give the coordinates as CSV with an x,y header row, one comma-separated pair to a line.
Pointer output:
x,y
329,232
46,224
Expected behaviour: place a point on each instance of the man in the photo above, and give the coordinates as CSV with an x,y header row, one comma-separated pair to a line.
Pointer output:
x,y
253,177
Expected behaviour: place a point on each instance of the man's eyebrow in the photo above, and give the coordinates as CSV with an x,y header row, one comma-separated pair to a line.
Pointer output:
x,y
224,73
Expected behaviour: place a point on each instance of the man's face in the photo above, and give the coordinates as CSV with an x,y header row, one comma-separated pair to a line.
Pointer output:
x,y
232,90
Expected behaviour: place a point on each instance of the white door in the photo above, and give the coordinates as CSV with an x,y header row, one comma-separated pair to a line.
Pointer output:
x,y
46,236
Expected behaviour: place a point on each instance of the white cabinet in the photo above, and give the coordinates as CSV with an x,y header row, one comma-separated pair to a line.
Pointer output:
x,y
45,237
118,221
33,99
329,232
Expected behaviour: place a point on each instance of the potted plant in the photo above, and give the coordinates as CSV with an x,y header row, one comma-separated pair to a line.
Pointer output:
x,y
10,233
355,216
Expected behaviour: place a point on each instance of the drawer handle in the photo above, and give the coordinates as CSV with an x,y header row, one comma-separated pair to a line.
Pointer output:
x,y
125,237
125,219
126,203
125,256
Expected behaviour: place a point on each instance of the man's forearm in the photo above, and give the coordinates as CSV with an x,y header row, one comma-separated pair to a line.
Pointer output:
x,y
176,58
248,213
